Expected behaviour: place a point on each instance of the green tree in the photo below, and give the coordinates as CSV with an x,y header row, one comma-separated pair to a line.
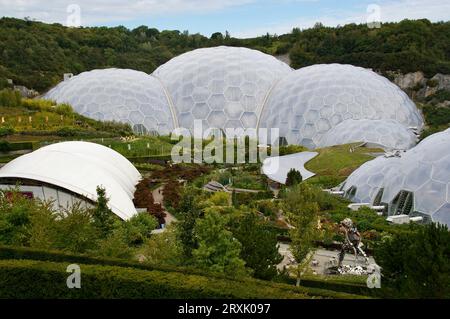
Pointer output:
x,y
139,228
75,230
416,264
114,246
103,217
259,246
218,251
294,177
163,248
189,213
302,214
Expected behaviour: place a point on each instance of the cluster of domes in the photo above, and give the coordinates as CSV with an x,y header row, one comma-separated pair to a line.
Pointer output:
x,y
414,183
227,87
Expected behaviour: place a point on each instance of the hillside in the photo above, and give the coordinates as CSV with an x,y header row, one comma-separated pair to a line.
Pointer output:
x,y
36,54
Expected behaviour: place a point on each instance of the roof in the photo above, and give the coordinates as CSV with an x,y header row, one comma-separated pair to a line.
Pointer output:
x,y
277,168
80,167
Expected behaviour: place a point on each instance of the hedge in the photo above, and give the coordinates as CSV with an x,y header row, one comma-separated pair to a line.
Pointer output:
x,y
339,283
112,278
23,279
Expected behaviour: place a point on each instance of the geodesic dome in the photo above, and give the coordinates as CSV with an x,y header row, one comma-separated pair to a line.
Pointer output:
x,y
388,134
416,183
224,87
309,102
118,94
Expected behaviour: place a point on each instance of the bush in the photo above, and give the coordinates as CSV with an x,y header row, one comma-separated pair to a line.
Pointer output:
x,y
416,265
436,115
5,146
10,98
5,131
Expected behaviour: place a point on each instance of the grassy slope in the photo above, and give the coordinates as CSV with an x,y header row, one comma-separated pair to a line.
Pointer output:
x,y
38,119
338,161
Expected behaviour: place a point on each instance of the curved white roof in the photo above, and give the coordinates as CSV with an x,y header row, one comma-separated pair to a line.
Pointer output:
x,y
388,134
277,168
225,87
310,101
80,167
118,95
423,171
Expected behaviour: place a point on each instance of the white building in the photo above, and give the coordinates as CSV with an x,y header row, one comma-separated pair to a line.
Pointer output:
x,y
68,173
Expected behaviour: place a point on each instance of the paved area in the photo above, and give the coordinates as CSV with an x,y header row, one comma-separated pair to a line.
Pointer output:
x,y
322,259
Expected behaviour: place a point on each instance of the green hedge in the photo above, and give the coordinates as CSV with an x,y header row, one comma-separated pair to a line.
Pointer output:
x,y
113,278
23,279
357,286
6,146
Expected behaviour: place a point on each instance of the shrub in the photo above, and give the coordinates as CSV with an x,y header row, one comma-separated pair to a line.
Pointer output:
x,y
10,98
416,265
5,131
5,146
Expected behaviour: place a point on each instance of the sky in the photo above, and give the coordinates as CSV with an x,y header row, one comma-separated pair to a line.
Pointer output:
x,y
242,18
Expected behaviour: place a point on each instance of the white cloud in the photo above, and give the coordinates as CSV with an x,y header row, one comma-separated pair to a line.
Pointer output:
x,y
94,12
390,11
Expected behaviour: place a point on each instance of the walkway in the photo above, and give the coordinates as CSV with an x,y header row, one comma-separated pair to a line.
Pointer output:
x,y
158,197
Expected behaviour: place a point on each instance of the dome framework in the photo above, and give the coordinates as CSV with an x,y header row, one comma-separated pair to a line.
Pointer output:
x,y
417,183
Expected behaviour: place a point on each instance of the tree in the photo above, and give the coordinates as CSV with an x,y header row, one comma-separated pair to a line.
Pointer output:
x,y
163,248
416,264
218,251
103,217
143,198
259,246
302,214
189,212
294,177
75,230
139,228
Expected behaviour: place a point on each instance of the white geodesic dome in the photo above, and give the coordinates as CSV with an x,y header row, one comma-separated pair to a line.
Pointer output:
x,y
309,102
224,87
118,95
423,172
388,134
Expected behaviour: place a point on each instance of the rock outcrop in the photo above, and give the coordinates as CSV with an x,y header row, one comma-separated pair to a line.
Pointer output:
x,y
410,80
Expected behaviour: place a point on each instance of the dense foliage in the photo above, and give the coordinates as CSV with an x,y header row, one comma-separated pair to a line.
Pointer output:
x,y
416,265
35,224
36,55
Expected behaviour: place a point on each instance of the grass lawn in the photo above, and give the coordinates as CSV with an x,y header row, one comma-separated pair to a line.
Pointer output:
x,y
140,147
334,164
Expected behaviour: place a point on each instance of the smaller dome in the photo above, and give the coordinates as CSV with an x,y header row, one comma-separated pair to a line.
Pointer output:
x,y
309,102
419,177
119,95
388,134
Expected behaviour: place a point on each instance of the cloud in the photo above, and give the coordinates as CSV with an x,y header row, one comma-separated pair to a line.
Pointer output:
x,y
94,12
389,11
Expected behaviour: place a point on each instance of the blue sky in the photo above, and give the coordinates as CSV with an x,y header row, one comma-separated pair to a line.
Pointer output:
x,y
242,18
